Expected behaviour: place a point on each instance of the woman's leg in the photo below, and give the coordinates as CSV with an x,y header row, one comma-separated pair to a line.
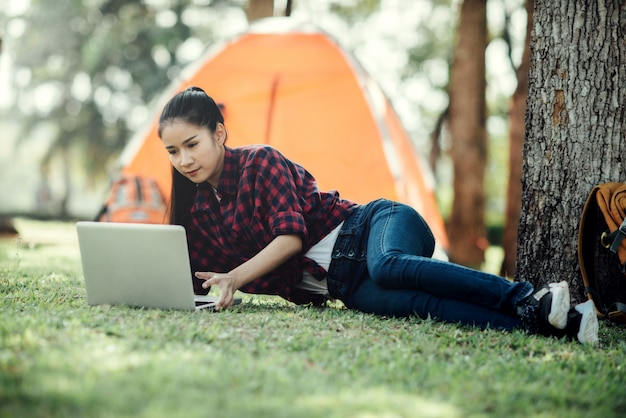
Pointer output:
x,y
399,248
370,297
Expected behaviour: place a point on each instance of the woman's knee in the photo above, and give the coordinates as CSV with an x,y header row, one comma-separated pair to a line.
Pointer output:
x,y
380,269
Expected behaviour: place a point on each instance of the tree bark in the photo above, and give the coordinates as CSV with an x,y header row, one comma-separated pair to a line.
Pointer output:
x,y
258,9
575,130
466,225
516,143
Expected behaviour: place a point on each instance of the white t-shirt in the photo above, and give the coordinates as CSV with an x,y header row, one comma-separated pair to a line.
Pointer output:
x,y
321,254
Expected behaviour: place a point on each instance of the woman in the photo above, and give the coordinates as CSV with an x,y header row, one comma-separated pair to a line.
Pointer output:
x,y
256,222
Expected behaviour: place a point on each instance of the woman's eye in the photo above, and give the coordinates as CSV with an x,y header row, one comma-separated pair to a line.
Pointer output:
x,y
192,144
171,151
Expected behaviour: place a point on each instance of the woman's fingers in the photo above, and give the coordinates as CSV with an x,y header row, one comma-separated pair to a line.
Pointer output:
x,y
206,276
223,282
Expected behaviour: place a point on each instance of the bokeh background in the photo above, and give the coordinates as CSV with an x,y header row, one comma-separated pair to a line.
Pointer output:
x,y
79,77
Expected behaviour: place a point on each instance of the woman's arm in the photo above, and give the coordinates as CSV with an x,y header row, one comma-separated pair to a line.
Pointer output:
x,y
281,249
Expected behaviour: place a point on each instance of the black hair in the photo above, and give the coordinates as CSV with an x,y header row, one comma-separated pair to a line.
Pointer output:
x,y
195,107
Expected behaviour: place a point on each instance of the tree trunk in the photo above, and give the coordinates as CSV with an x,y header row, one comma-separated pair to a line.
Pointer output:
x,y
258,9
575,130
466,225
7,228
516,143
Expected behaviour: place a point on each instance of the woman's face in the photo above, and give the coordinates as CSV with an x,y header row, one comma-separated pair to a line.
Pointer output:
x,y
194,151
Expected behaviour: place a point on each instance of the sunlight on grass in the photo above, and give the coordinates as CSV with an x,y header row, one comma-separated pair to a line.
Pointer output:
x,y
46,233
377,402
493,259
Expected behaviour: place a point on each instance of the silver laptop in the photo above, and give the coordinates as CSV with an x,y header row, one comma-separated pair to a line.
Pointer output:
x,y
141,265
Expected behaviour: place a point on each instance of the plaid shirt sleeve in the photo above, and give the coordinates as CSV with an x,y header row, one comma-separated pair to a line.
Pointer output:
x,y
274,186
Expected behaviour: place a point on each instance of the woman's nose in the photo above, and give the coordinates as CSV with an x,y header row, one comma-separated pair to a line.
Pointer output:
x,y
185,158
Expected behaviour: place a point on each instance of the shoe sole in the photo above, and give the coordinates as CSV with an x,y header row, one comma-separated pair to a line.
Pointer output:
x,y
588,330
560,305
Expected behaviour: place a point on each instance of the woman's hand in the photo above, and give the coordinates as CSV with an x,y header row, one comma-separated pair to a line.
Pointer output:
x,y
281,249
225,282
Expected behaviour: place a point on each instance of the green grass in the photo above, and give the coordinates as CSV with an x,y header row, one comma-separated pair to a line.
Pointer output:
x,y
267,358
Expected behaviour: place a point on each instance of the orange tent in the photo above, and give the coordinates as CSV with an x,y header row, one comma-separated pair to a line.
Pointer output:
x,y
294,88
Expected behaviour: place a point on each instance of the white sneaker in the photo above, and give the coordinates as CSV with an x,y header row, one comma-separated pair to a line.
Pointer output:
x,y
588,330
546,311
560,304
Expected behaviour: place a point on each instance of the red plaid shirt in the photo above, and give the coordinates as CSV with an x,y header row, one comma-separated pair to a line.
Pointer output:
x,y
260,195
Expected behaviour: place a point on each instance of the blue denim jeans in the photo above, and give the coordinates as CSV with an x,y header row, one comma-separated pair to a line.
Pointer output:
x,y
381,264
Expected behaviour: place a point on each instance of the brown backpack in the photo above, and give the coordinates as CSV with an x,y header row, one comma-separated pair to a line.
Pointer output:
x,y
602,249
134,199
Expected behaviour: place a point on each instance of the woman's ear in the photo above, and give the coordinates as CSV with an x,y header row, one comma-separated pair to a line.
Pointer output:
x,y
220,133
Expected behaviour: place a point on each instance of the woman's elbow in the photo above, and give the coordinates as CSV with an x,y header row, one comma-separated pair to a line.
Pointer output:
x,y
294,244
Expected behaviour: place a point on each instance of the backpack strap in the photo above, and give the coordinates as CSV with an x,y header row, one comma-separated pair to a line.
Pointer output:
x,y
613,240
593,295
620,234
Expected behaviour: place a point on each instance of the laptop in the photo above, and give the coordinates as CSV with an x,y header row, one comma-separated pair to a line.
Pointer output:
x,y
139,265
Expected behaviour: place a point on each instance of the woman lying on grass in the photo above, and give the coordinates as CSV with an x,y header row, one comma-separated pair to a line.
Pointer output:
x,y
256,222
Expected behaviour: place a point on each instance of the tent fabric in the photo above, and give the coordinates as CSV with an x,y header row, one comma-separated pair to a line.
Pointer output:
x,y
292,86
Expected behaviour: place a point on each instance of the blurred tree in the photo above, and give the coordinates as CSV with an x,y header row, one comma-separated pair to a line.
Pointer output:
x,y
433,56
91,72
516,142
355,11
258,9
575,135
430,57
6,223
100,63
466,120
